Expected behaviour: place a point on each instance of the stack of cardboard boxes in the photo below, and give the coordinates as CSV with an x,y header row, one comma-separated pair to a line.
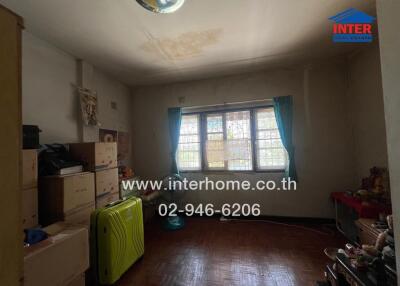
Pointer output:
x,y
63,257
68,198
64,204
100,158
29,189
72,198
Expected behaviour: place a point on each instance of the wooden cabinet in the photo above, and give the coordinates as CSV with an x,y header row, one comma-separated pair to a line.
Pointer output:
x,y
10,145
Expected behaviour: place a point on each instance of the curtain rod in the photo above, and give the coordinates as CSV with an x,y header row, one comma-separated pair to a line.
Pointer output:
x,y
252,102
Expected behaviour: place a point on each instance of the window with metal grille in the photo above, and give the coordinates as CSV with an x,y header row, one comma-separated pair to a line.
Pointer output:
x,y
238,141
188,155
215,141
231,140
271,154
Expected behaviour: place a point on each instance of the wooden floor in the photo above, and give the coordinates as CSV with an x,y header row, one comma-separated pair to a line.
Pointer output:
x,y
209,252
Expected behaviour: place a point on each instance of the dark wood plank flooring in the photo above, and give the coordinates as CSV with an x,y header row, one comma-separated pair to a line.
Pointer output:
x,y
209,252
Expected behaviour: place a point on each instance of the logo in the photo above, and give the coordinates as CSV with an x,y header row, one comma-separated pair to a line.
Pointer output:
x,y
352,26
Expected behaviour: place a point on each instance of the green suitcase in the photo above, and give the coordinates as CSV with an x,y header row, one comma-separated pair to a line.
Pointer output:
x,y
117,239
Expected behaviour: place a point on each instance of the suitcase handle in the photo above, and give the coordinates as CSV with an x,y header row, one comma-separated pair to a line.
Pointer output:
x,y
115,203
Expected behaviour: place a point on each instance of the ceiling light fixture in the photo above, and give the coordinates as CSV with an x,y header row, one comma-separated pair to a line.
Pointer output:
x,y
161,6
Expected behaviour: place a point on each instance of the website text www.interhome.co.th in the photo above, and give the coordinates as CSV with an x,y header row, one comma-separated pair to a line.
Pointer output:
x,y
285,184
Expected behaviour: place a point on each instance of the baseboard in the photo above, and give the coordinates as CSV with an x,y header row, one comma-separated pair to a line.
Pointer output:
x,y
282,219
288,219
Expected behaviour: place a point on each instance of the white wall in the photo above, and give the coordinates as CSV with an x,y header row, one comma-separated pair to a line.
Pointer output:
x,y
108,91
48,94
389,21
365,102
50,100
322,135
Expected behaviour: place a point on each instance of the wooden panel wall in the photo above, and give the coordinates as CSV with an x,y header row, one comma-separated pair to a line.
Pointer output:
x,y
10,149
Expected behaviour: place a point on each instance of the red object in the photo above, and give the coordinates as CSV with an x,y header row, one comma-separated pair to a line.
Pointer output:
x,y
365,210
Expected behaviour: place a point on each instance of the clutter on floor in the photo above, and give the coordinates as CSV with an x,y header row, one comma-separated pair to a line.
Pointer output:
x,y
371,200
62,188
364,217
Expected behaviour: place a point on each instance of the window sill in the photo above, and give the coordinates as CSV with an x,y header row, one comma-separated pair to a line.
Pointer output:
x,y
224,172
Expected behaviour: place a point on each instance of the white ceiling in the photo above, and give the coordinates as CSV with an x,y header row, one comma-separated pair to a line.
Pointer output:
x,y
205,38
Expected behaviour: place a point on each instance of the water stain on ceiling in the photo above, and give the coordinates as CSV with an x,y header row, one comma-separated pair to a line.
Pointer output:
x,y
184,46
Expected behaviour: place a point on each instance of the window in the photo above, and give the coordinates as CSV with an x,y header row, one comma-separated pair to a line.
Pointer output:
x,y
270,152
215,142
189,144
231,140
238,141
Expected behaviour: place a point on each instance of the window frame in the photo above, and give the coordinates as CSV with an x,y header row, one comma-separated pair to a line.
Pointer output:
x,y
200,147
253,132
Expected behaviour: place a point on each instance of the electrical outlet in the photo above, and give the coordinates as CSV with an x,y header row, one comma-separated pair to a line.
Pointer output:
x,y
113,105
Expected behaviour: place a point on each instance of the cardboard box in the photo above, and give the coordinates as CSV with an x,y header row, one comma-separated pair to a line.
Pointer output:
x,y
55,228
61,195
80,280
95,156
57,260
80,216
29,208
107,181
104,200
29,169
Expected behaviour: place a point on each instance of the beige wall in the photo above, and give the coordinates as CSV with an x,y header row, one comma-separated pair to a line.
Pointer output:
x,y
389,40
50,100
321,134
48,95
108,91
365,103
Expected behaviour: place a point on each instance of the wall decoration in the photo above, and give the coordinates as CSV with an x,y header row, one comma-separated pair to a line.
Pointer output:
x,y
88,102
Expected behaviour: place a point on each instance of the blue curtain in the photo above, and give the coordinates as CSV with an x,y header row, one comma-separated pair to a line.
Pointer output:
x,y
174,120
283,107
